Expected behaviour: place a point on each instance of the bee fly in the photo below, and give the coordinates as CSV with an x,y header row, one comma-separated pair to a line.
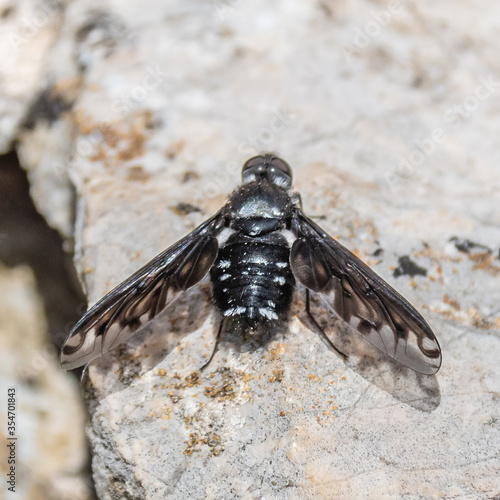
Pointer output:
x,y
255,248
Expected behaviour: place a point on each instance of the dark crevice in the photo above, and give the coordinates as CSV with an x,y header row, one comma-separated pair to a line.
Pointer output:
x,y
27,239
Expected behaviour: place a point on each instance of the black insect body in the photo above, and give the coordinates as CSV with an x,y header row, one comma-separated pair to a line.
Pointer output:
x,y
255,249
252,279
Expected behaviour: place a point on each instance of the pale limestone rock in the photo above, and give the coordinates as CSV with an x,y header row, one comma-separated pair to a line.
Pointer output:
x,y
49,416
28,31
174,99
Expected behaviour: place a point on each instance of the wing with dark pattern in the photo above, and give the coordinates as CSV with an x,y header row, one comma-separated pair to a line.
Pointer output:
x,y
143,295
361,298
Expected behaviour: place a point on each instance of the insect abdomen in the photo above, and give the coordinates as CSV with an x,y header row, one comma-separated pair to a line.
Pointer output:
x,y
252,279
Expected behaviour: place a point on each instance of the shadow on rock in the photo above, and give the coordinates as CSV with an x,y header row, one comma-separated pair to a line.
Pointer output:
x,y
412,388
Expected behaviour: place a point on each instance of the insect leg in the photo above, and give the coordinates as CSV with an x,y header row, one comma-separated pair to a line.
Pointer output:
x,y
297,201
320,330
219,334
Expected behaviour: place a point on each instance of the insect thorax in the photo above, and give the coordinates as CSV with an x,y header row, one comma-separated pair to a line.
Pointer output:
x,y
259,208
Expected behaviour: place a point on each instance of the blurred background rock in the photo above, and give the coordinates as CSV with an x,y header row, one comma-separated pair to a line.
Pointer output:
x,y
40,299
128,122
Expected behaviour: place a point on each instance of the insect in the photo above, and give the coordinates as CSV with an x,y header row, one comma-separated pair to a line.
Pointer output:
x,y
255,249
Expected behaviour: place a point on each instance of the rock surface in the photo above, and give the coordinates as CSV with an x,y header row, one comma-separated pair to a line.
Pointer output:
x,y
28,31
388,113
49,416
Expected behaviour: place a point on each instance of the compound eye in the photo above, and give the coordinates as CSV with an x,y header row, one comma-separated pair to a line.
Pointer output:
x,y
281,165
280,173
268,167
252,168
254,162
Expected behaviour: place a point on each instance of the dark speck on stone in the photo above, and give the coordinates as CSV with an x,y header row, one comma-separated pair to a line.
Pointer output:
x,y
378,252
184,209
189,175
466,246
48,107
109,28
408,267
7,12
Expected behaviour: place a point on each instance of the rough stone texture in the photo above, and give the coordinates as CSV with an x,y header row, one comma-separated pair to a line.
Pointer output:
x,y
390,120
50,447
28,30
33,49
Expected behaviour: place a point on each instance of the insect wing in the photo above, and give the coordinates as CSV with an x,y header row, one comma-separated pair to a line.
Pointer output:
x,y
143,295
362,299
